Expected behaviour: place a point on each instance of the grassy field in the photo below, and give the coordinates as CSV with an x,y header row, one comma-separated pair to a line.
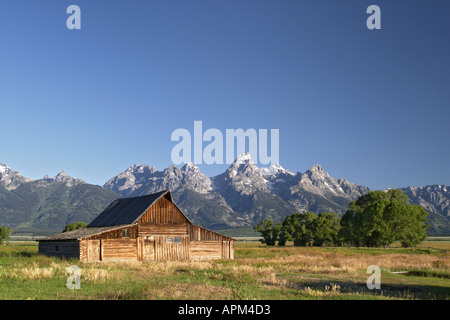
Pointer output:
x,y
258,272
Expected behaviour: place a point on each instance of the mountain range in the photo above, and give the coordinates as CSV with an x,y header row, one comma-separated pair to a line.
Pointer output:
x,y
241,196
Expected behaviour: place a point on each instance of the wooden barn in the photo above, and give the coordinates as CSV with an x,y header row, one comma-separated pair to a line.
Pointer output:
x,y
146,228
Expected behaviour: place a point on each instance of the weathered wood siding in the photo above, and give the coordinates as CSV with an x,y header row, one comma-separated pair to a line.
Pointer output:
x,y
205,250
116,234
118,249
63,249
146,248
150,230
95,250
227,249
163,212
197,233
169,251
149,250
83,250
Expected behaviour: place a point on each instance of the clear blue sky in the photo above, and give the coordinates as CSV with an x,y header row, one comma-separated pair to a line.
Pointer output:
x,y
370,106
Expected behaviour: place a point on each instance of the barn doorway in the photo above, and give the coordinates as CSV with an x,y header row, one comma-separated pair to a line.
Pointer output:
x,y
170,248
94,250
149,249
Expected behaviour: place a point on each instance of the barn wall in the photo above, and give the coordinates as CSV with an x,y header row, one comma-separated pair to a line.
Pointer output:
x,y
149,230
205,250
146,248
83,250
170,251
118,249
66,249
227,249
231,249
116,234
95,250
163,212
197,233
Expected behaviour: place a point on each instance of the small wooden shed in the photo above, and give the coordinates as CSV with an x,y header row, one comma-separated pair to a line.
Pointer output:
x,y
146,228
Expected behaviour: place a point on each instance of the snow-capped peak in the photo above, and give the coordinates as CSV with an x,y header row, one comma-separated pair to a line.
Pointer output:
x,y
317,173
243,158
139,169
317,167
190,166
9,178
274,169
3,168
62,174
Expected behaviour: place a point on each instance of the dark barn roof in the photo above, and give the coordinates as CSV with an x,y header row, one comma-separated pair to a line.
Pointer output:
x,y
127,210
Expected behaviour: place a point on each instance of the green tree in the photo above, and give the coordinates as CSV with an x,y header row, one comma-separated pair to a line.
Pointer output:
x,y
325,229
298,228
373,197
350,232
269,231
5,234
290,229
308,232
74,226
379,218
415,227
284,235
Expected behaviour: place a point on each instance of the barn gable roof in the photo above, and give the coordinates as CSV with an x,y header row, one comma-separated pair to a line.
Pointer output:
x,y
128,210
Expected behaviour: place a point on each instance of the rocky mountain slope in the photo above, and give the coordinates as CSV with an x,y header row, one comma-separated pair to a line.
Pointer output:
x,y
10,179
436,200
245,194
241,196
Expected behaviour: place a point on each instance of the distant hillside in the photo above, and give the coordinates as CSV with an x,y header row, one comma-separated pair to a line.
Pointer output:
x,y
51,204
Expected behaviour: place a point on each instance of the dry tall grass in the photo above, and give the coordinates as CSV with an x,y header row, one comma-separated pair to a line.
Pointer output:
x,y
315,261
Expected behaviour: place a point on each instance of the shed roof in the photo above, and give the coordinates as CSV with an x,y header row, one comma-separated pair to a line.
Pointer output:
x,y
80,233
127,210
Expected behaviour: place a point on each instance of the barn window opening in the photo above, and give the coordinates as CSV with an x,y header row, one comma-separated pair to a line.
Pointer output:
x,y
177,239
56,248
125,233
169,240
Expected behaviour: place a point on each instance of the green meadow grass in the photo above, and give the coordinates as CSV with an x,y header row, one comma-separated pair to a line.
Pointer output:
x,y
257,272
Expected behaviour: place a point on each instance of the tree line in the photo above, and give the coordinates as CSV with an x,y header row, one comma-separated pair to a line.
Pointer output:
x,y
6,232
376,219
